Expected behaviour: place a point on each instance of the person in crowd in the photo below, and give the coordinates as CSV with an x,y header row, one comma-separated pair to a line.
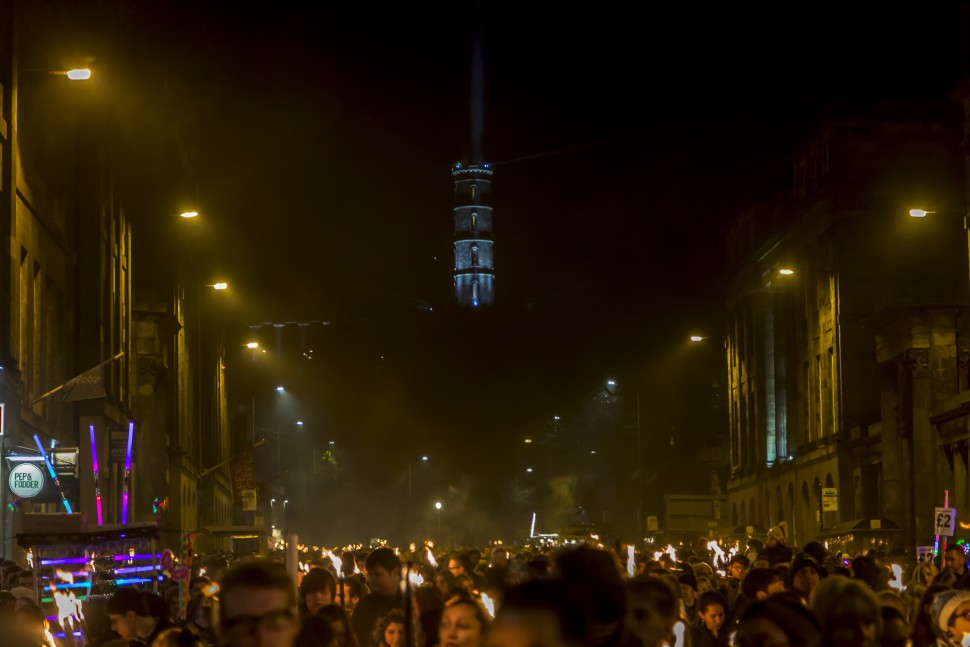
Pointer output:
x,y
849,612
591,580
30,628
132,619
499,558
538,613
759,583
776,548
258,605
889,598
920,579
460,564
200,618
177,637
444,582
950,613
353,592
895,629
687,584
761,561
389,630
24,588
318,588
870,571
955,562
711,610
922,633
384,579
338,623
426,609
652,610
781,619
463,624
315,632
805,575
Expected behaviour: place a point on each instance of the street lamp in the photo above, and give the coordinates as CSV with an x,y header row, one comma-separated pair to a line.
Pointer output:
x,y
253,345
218,286
189,214
78,74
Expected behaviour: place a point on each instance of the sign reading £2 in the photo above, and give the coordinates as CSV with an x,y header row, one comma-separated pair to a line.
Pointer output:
x,y
26,480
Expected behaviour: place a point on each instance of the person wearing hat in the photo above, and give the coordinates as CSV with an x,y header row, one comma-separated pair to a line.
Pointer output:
x,y
805,575
777,547
950,613
688,594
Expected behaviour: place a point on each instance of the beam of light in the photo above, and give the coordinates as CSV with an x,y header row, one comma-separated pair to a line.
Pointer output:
x,y
50,469
489,604
532,528
127,477
94,467
64,560
631,564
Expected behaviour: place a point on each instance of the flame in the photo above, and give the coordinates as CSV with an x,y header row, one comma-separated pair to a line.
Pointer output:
x,y
657,555
415,578
897,581
631,564
718,551
489,604
966,640
430,557
336,561
202,572
30,557
679,629
672,553
412,547
68,608
64,576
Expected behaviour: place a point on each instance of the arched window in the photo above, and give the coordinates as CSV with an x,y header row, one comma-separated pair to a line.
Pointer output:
x,y
474,192
474,222
474,255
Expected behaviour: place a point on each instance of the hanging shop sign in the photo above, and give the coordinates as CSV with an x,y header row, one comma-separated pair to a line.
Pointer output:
x,y
26,480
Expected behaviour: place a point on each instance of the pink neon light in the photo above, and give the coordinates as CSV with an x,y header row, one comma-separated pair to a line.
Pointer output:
x,y
94,467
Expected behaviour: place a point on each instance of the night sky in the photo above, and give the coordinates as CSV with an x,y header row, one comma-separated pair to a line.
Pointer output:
x,y
622,142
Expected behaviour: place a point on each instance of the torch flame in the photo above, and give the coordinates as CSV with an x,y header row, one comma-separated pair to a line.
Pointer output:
x,y
631,565
718,551
671,552
489,604
64,576
431,559
336,561
966,640
679,634
68,609
415,578
897,582
657,555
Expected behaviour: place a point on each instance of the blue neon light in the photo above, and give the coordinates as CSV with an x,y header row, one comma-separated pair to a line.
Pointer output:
x,y
65,560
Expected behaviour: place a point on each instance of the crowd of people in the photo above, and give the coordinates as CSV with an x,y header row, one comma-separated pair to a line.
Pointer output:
x,y
765,595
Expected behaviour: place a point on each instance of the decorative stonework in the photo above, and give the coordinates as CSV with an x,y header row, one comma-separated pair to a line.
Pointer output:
x,y
917,360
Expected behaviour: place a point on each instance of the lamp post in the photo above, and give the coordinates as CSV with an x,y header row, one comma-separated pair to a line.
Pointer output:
x,y
218,287
437,506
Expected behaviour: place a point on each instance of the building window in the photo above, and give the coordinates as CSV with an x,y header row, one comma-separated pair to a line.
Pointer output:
x,y
474,222
474,255
474,192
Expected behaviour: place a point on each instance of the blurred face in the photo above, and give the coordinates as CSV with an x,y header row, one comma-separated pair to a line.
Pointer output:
x,y
760,632
455,567
687,594
382,581
318,599
713,617
735,570
124,625
704,585
777,586
762,563
960,622
257,617
394,634
643,620
525,629
956,560
338,634
441,583
460,627
853,625
805,580
26,579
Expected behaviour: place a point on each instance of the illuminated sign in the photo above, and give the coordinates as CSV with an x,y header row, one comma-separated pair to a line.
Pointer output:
x,y
26,480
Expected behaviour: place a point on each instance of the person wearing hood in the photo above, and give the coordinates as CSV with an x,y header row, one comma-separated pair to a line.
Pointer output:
x,y
950,614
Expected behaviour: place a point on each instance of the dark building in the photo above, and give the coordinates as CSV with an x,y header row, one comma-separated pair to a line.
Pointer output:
x,y
847,333
474,264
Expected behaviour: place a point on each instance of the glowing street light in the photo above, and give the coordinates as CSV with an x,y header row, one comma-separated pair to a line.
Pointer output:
x,y
221,285
189,214
528,441
919,213
437,505
696,338
299,423
280,389
78,74
786,271
253,345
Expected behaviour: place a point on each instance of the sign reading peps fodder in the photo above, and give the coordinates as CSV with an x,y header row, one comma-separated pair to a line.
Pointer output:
x,y
26,480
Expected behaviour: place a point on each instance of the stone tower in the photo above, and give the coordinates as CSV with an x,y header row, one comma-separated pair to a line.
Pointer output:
x,y
474,266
